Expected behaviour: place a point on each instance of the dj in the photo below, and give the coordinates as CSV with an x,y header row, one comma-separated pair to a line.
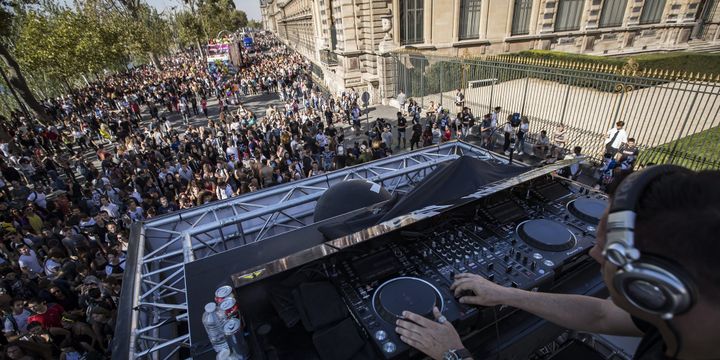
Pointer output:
x,y
657,246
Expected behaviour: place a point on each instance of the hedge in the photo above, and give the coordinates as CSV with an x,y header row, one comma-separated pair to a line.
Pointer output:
x,y
678,61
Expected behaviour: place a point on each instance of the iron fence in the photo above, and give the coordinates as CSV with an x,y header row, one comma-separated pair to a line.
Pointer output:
x,y
674,117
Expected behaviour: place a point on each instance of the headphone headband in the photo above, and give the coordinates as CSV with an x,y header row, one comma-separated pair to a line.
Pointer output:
x,y
658,288
630,190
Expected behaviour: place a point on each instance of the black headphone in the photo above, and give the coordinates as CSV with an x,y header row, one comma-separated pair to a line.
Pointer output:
x,y
651,284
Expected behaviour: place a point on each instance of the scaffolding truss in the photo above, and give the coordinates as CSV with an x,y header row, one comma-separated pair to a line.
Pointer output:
x,y
153,310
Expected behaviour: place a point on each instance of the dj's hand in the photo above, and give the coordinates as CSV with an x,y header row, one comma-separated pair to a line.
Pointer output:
x,y
430,337
476,290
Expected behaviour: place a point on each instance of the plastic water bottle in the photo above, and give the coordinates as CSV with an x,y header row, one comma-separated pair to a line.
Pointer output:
x,y
214,328
226,354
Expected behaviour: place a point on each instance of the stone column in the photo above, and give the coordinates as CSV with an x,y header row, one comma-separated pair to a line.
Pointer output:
x,y
385,62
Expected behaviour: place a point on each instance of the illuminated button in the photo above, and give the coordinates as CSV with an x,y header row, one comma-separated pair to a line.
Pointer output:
x,y
537,256
591,229
380,335
548,263
389,347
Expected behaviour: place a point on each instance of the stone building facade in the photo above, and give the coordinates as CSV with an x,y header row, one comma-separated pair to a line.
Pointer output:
x,y
349,41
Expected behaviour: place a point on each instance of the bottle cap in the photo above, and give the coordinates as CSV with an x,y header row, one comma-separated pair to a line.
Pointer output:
x,y
210,307
223,354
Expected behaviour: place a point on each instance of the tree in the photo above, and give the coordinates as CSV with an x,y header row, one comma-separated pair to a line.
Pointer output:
x,y
218,15
254,24
9,11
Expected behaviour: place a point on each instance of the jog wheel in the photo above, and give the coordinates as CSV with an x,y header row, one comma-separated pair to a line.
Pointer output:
x,y
546,235
588,210
406,294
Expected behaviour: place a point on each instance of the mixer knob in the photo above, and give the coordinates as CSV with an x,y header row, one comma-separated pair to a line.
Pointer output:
x,y
490,266
517,256
533,266
491,277
476,254
513,241
567,217
389,347
506,258
508,269
525,260
452,237
380,335
433,244
467,257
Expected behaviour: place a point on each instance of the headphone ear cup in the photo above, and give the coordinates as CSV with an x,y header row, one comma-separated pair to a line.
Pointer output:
x,y
656,286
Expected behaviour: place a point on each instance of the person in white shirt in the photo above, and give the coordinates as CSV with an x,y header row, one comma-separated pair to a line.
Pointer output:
x,y
38,197
231,150
111,209
28,262
15,324
616,137
185,172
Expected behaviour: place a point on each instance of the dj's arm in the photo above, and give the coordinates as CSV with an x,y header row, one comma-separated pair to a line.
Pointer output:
x,y
576,312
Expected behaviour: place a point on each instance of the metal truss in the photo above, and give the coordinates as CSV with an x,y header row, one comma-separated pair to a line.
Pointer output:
x,y
154,301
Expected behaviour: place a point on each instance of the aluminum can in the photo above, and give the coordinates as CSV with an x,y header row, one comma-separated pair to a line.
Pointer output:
x,y
222,293
230,307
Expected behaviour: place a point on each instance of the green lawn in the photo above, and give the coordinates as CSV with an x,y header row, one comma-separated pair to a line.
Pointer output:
x,y
699,151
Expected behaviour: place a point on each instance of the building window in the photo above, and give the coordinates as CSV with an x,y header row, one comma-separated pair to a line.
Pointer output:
x,y
470,19
521,17
568,15
652,11
613,12
411,21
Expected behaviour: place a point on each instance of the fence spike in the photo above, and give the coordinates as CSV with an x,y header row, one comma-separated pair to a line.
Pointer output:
x,y
685,75
672,75
704,78
717,79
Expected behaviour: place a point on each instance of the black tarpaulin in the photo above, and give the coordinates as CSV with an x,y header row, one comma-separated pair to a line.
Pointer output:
x,y
444,185
447,183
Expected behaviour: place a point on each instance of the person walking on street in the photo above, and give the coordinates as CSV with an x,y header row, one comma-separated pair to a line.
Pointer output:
x,y
401,126
416,135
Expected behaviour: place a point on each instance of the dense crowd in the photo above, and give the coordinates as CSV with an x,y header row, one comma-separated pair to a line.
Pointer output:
x,y
136,145
144,143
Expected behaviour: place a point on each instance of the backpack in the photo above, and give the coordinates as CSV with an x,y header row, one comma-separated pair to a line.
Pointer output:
x,y
515,121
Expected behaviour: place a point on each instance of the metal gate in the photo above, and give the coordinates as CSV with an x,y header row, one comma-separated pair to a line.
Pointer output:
x,y
675,117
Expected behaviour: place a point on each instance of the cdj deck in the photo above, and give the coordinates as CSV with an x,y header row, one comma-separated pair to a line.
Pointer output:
x,y
343,304
524,238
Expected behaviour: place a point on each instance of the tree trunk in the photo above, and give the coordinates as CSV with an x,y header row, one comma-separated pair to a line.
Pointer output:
x,y
156,61
17,81
200,49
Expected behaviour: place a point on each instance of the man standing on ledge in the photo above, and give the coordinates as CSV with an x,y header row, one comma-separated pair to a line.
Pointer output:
x,y
657,247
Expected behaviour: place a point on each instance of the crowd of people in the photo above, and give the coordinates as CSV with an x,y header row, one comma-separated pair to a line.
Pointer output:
x,y
435,124
140,144
143,143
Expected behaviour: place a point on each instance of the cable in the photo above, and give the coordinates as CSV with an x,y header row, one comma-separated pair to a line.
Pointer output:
x,y
678,338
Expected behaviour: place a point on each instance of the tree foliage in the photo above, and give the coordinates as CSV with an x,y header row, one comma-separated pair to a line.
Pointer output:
x,y
204,20
65,44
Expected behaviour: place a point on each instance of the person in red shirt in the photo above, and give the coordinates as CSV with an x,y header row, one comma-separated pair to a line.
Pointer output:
x,y
203,104
46,315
